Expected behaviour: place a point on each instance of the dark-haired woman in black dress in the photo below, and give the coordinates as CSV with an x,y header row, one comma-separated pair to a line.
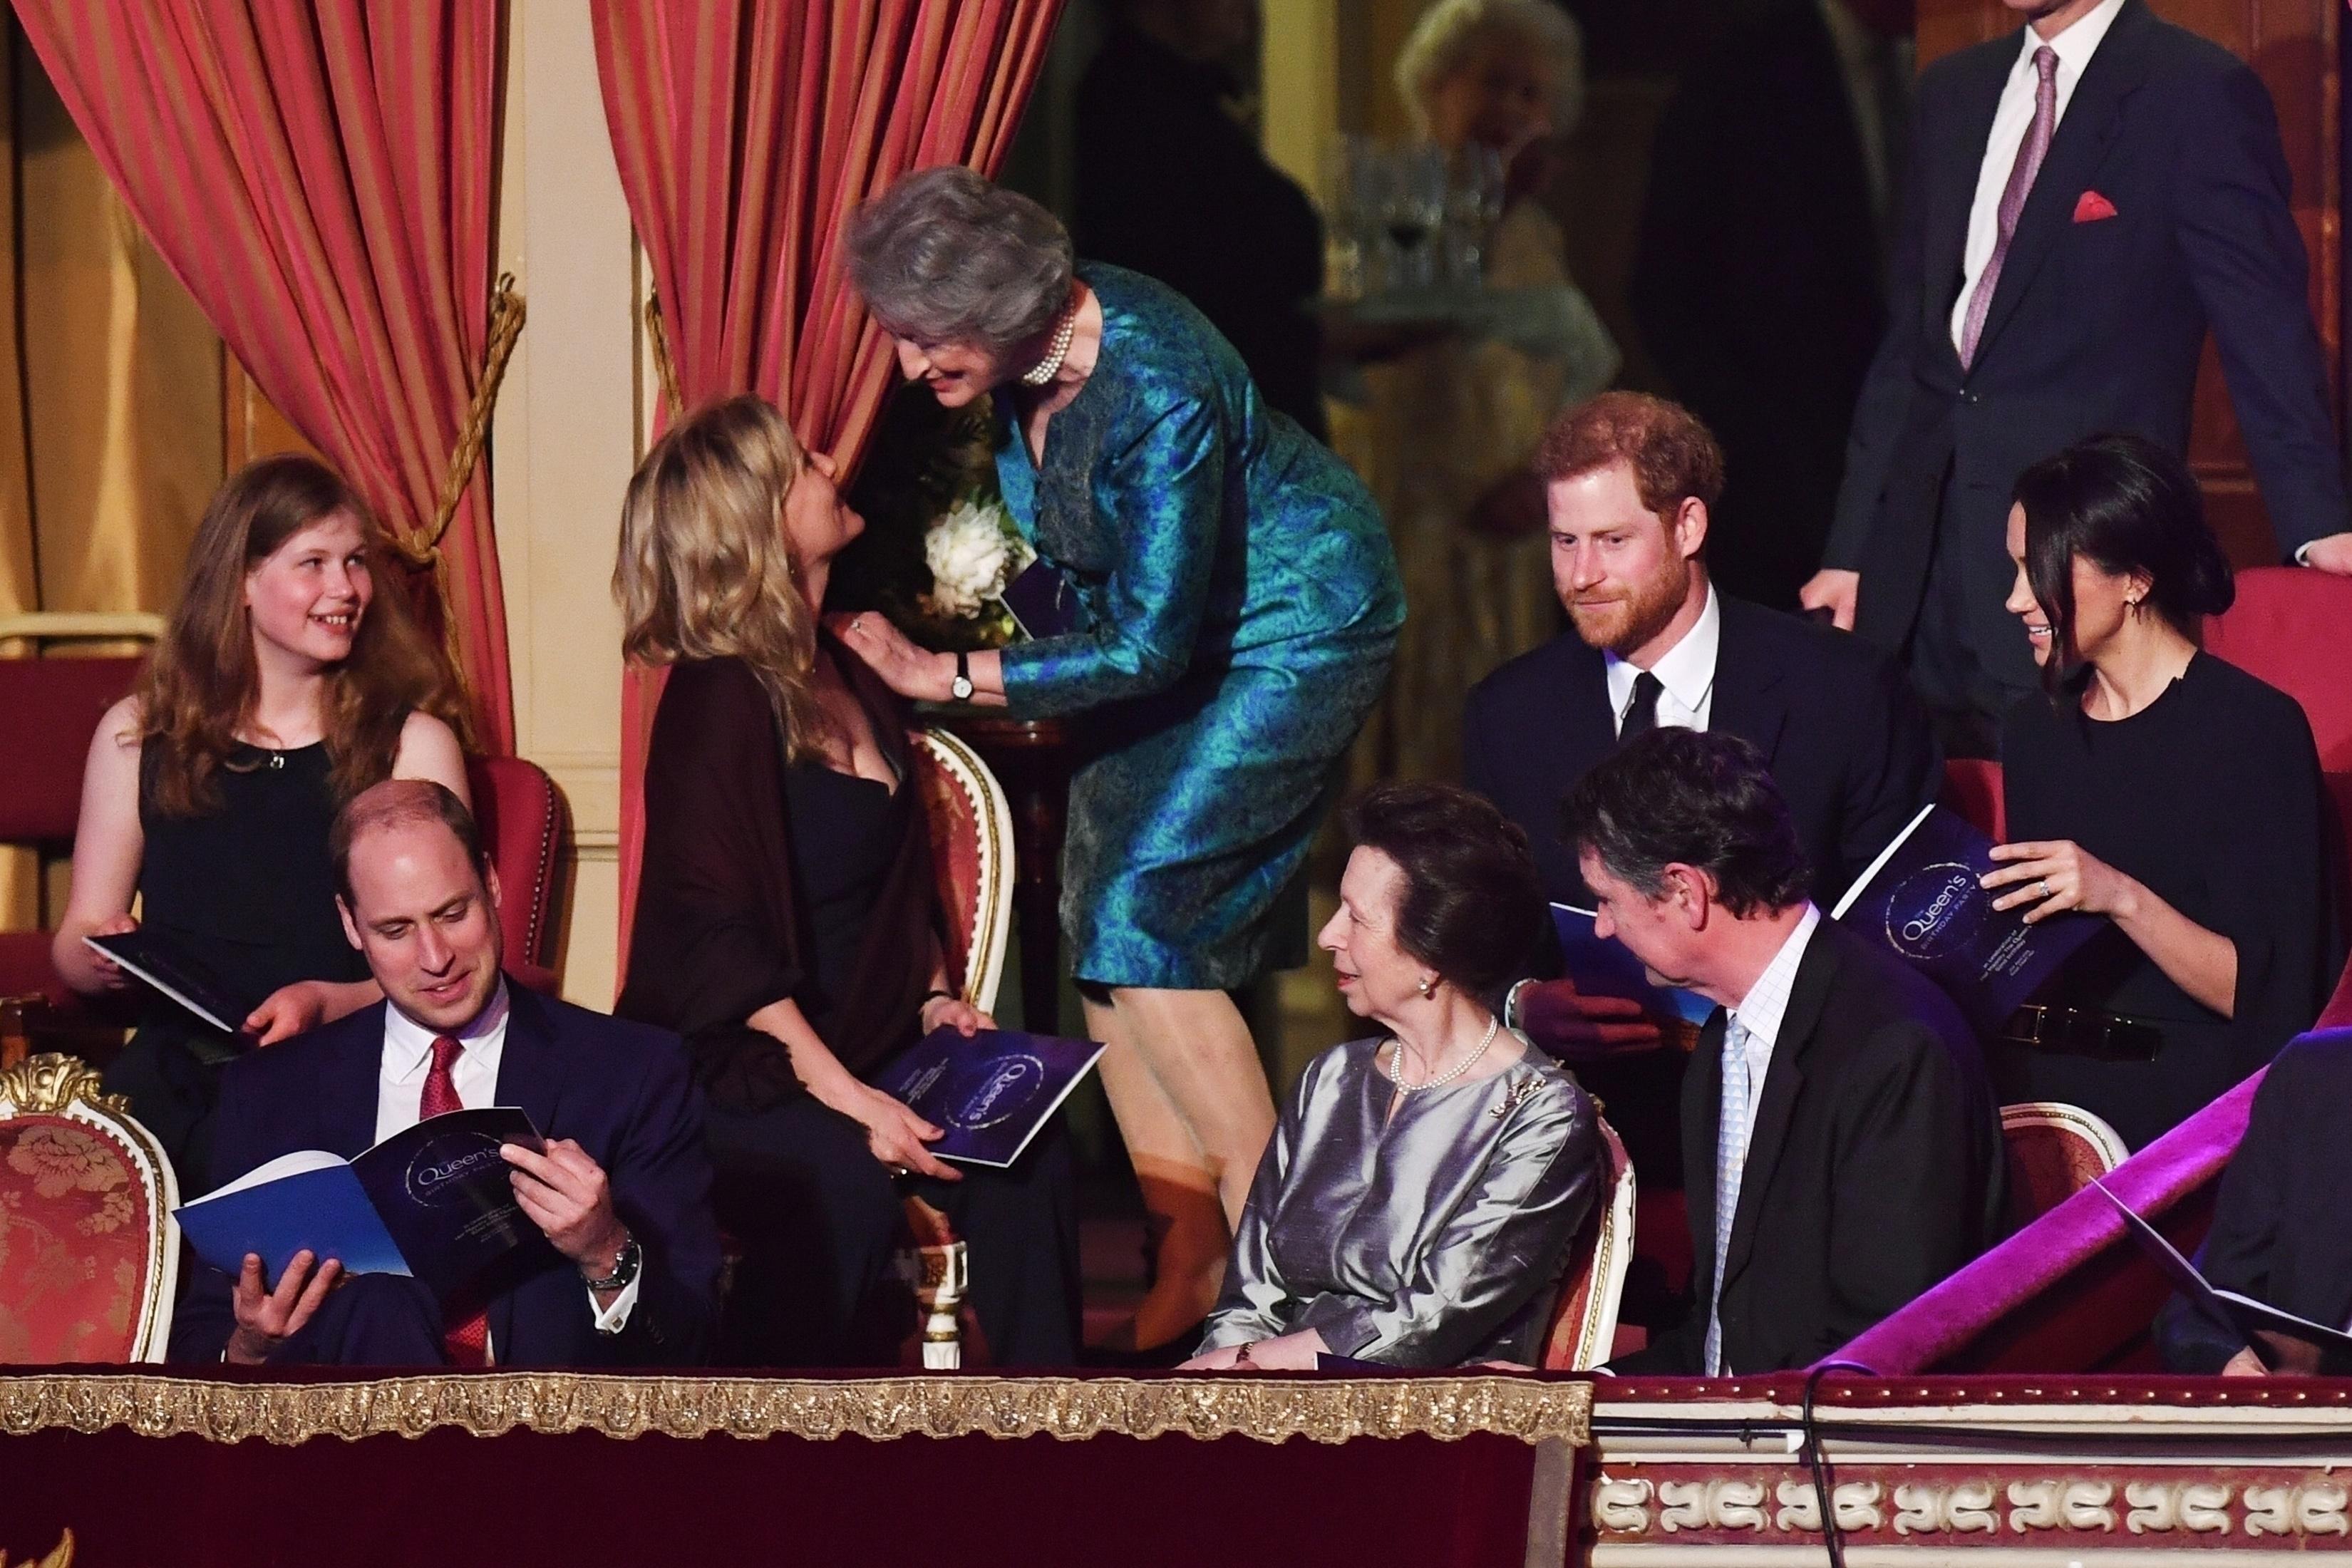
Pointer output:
x,y
2159,786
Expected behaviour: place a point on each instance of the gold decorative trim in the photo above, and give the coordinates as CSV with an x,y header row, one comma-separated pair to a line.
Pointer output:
x,y
50,1083
1321,1410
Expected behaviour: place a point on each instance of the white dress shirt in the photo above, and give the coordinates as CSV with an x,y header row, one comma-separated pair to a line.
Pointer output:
x,y
400,1094
1686,671
1761,1011
2075,48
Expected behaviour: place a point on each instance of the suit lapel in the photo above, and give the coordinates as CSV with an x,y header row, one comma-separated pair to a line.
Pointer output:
x,y
529,1077
1783,1081
1747,701
2094,116
349,1078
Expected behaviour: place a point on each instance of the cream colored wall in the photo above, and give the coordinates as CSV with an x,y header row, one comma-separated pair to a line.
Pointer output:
x,y
565,437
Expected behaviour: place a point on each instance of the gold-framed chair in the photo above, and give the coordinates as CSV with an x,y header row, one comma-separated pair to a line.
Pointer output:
x,y
89,1254
2054,1152
1583,1329
970,822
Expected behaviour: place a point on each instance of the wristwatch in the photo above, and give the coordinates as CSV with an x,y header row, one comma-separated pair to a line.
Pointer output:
x,y
961,687
627,1264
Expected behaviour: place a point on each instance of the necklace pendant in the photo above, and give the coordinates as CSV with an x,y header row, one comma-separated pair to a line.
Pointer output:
x,y
277,761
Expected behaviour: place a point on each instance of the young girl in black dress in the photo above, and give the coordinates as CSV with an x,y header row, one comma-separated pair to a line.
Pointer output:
x,y
2161,788
288,679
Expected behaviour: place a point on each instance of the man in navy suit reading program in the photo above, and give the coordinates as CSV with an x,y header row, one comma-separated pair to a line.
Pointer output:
x,y
624,1270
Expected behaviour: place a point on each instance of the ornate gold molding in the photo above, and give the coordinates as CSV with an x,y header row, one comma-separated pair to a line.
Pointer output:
x,y
51,1082
1266,1410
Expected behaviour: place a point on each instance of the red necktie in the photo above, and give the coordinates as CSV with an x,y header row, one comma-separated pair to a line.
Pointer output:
x,y
2029,154
465,1331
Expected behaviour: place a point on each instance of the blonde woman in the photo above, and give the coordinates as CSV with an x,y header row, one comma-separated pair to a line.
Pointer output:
x,y
1445,439
785,922
290,679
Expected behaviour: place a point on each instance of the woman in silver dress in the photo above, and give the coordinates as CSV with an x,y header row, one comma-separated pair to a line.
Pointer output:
x,y
1418,1200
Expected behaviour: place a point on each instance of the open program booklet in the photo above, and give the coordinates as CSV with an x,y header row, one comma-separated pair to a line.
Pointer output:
x,y
1921,898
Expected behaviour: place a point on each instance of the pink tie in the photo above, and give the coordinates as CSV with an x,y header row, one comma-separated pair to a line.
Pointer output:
x,y
2029,154
466,1332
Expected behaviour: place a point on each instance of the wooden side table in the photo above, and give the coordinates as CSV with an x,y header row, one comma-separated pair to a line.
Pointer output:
x,y
1032,759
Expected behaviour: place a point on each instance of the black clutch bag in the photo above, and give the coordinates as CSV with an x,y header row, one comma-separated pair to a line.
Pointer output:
x,y
1043,603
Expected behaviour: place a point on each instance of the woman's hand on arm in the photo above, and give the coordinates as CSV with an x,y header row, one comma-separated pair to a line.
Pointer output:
x,y
1294,1351
429,750
304,1005
2051,876
894,1134
109,844
916,673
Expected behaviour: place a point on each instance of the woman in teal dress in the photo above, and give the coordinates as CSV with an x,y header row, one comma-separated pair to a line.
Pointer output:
x,y
1238,603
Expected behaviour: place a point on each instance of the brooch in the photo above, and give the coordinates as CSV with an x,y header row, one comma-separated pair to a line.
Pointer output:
x,y
1513,1097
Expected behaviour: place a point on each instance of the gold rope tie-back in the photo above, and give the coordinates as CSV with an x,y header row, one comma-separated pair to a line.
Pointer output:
x,y
506,326
665,367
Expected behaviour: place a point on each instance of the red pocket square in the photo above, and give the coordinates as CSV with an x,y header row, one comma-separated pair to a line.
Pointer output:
x,y
2092,206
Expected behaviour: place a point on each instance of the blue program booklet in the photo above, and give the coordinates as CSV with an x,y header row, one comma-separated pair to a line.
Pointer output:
x,y
1922,898
151,955
1603,966
990,1093
1043,603
434,1200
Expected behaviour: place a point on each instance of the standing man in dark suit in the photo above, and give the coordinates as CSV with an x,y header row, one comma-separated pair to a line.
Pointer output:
x,y
1631,482
2086,198
626,1272
1843,1152
1759,283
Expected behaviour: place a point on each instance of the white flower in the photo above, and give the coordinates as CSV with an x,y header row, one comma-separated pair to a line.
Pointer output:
x,y
970,553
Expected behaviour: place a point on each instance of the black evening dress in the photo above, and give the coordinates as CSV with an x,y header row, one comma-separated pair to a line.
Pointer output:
x,y
246,889
766,880
2211,797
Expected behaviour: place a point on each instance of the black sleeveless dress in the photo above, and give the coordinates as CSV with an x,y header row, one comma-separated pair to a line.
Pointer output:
x,y
248,889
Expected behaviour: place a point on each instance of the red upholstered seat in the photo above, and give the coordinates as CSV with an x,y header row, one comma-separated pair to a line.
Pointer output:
x,y
2070,1292
2054,1152
2291,626
1972,789
87,1248
1583,1331
53,706
522,819
971,823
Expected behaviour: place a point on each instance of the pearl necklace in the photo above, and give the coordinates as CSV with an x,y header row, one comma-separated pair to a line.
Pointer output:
x,y
1396,1063
1045,369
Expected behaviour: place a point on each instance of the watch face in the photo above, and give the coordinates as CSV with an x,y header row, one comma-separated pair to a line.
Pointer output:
x,y
960,688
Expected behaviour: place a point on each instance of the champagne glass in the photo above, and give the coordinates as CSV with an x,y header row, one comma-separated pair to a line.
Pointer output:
x,y
1473,205
1413,212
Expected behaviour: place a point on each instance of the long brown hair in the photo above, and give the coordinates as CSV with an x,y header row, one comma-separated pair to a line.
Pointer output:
x,y
201,687
705,570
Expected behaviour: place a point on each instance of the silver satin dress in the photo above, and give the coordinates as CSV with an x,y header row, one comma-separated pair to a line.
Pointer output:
x,y
1430,1239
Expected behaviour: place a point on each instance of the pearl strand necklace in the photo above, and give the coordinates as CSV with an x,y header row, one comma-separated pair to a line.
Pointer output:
x,y
1396,1063
1045,369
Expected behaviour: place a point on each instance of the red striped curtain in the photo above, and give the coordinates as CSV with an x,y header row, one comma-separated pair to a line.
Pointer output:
x,y
746,131
319,176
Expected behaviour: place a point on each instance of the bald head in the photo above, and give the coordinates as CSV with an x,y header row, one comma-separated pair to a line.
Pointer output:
x,y
401,803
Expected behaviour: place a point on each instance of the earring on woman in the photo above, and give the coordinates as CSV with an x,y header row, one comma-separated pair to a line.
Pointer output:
x,y
1427,986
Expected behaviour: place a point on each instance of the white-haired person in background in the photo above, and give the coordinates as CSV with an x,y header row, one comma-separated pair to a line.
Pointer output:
x,y
1448,429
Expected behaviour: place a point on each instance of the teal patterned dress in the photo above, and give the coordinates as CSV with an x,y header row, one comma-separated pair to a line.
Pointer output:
x,y
1239,606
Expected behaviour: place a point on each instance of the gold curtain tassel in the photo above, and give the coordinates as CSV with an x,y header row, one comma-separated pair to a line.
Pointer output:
x,y
665,367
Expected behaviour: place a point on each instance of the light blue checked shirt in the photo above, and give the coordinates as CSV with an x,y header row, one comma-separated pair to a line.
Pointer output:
x,y
1750,1031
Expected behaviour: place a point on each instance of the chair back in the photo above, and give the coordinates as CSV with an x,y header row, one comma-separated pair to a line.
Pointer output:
x,y
522,819
2287,628
1583,1329
53,706
970,822
89,1250
2054,1152
1972,789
